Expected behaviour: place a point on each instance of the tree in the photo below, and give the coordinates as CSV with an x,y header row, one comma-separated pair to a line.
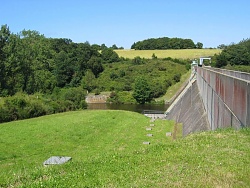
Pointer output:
x,y
235,54
199,45
103,46
4,38
137,60
63,70
154,56
95,65
142,91
222,46
96,47
109,55
89,81
114,47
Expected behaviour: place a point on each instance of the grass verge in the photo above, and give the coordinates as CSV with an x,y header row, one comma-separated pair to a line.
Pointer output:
x,y
107,151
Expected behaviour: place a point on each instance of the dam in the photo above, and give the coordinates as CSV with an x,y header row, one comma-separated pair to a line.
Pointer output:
x,y
213,98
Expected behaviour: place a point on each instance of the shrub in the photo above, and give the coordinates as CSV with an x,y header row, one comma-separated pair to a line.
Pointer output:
x,y
177,77
22,106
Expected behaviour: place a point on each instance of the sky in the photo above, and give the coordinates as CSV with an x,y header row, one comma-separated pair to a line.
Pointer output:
x,y
212,22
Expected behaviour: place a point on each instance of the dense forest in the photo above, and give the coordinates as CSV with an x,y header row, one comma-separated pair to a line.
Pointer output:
x,y
33,63
166,43
42,75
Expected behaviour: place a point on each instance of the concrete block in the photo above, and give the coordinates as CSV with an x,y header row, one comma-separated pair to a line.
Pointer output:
x,y
150,135
152,125
146,143
148,128
168,134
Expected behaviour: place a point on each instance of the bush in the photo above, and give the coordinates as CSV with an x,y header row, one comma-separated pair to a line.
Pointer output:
x,y
97,91
35,109
138,61
109,55
177,77
22,106
157,90
74,96
113,76
121,97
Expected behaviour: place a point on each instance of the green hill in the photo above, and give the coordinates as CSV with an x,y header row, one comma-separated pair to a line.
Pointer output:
x,y
107,150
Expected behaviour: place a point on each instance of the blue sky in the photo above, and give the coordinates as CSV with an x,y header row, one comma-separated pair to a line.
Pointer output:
x,y
212,22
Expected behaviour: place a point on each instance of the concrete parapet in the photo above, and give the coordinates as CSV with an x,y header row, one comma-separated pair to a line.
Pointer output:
x,y
226,98
237,74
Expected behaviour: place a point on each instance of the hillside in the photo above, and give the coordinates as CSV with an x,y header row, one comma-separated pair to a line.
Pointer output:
x,y
107,150
121,76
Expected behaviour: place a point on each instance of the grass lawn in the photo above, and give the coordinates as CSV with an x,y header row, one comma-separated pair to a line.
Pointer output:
x,y
182,54
107,150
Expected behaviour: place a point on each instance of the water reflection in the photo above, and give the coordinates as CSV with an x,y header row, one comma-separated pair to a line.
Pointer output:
x,y
129,107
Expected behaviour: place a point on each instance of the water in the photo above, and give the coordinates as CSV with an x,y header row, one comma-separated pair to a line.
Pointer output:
x,y
128,107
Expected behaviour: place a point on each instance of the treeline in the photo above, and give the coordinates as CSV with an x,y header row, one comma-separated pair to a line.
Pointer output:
x,y
30,62
166,43
235,55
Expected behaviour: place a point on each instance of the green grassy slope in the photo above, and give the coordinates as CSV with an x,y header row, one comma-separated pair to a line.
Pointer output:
x,y
107,151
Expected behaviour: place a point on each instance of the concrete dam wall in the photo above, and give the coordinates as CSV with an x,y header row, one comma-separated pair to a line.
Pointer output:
x,y
189,110
217,99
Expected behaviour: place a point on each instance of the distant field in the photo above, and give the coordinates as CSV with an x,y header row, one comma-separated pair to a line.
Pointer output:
x,y
183,54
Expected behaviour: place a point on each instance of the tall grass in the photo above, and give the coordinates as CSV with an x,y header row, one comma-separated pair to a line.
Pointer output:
x,y
107,150
182,54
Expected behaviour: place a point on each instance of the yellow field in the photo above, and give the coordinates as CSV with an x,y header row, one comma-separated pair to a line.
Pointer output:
x,y
183,54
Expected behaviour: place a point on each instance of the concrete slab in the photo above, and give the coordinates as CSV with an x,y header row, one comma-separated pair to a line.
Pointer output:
x,y
168,134
56,160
